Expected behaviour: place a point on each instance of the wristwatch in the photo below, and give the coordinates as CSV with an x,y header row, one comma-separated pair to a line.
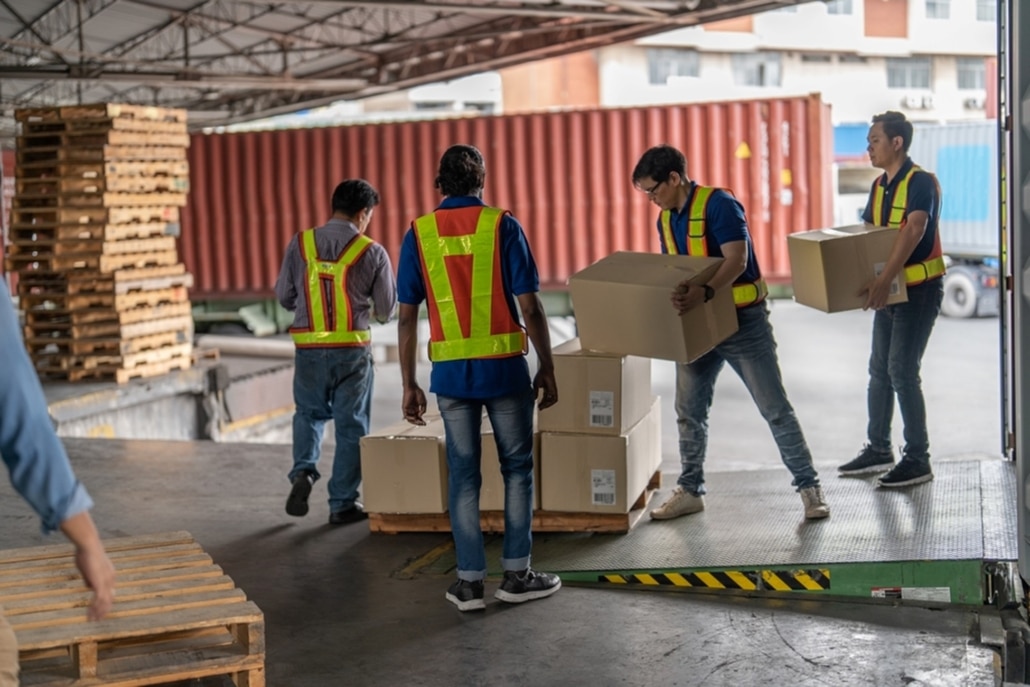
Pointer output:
x,y
709,292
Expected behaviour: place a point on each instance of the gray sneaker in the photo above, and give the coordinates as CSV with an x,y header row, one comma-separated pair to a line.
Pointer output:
x,y
681,502
867,461
815,503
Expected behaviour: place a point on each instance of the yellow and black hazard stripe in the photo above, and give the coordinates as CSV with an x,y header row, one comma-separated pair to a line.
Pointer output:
x,y
750,580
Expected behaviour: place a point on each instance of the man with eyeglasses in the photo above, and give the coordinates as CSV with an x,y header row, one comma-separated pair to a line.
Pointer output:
x,y
701,221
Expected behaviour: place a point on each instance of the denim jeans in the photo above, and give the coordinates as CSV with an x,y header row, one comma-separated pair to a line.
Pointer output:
x,y
900,334
512,420
751,352
332,384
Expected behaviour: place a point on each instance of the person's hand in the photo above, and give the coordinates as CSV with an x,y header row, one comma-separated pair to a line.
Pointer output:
x,y
877,292
687,296
544,382
98,572
413,405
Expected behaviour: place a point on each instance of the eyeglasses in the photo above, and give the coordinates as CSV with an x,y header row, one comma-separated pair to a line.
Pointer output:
x,y
650,191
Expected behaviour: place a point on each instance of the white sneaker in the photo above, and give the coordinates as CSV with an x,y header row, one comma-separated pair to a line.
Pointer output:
x,y
681,502
815,503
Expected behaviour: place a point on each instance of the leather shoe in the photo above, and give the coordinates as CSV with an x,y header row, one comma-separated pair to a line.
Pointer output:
x,y
355,513
297,502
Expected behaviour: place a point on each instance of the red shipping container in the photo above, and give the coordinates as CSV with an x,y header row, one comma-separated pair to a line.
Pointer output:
x,y
564,175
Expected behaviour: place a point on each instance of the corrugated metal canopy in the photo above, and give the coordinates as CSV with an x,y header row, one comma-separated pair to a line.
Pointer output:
x,y
232,60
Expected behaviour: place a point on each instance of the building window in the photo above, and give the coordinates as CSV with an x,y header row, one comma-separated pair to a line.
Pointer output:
x,y
838,6
815,57
847,58
971,74
756,69
986,10
938,9
908,72
665,62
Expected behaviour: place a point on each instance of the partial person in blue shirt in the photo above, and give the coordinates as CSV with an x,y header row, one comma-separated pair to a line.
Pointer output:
x,y
40,472
470,262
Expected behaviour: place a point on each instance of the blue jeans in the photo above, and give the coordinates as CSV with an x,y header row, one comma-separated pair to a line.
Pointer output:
x,y
751,352
900,334
512,420
332,384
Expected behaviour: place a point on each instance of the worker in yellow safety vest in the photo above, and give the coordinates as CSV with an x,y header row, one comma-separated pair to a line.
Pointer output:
x,y
470,263
334,278
698,221
907,199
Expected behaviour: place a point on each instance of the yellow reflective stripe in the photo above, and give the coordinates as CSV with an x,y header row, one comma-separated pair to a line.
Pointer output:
x,y
743,581
898,204
435,248
696,244
670,241
309,338
923,271
877,202
315,303
747,294
338,331
483,249
480,347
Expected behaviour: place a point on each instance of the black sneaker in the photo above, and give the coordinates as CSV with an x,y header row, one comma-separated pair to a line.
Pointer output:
x,y
526,585
297,502
466,595
867,461
907,473
355,513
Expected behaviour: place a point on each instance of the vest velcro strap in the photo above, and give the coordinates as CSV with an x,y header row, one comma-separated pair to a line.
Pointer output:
x,y
337,338
924,271
494,346
749,294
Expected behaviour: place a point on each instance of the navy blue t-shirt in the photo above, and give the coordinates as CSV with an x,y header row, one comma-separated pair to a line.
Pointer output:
x,y
485,377
923,194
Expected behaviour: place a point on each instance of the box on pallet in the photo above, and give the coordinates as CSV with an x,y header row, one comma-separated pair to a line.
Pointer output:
x,y
622,306
491,495
591,473
830,267
404,468
598,393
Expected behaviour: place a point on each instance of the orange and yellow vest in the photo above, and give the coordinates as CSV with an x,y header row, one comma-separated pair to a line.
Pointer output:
x,y
916,272
469,315
744,293
330,320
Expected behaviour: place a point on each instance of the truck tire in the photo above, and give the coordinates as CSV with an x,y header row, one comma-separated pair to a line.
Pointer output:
x,y
959,296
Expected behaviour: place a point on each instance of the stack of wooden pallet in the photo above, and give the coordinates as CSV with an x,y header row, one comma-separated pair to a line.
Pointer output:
x,y
94,220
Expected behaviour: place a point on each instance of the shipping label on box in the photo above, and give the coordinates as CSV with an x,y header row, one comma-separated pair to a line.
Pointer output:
x,y
404,468
591,473
491,495
830,267
622,306
598,393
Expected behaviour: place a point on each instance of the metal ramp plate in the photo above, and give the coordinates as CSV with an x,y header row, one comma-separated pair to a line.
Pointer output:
x,y
926,543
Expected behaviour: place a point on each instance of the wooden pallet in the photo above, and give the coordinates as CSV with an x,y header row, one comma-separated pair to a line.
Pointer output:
x,y
113,364
543,521
50,332
92,199
47,317
58,287
142,113
50,186
53,233
89,248
117,373
44,346
94,138
97,170
99,215
22,263
100,154
97,125
177,617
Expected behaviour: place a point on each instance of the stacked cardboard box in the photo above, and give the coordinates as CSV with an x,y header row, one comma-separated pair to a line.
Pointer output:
x,y
95,215
600,445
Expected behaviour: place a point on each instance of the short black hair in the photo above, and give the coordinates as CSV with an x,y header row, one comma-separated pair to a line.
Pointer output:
x,y
354,195
895,124
462,171
659,162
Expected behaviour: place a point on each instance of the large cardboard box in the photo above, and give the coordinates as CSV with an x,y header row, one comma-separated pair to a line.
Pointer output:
x,y
591,473
830,267
404,468
598,393
491,495
622,306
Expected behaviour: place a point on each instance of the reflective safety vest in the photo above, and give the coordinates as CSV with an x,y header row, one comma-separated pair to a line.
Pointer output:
x,y
916,272
744,293
469,315
330,320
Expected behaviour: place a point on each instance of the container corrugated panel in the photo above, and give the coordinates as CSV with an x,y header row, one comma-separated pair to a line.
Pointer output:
x,y
565,176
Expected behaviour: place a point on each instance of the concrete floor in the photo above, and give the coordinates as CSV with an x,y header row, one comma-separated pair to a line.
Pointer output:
x,y
344,607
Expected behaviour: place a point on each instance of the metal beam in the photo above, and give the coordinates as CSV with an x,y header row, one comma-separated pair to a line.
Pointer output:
x,y
185,79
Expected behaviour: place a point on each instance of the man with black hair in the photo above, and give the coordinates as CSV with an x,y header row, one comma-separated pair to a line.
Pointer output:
x,y
470,263
334,278
704,221
907,199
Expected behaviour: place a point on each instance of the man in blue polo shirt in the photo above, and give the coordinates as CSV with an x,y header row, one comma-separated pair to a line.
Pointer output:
x,y
470,263
704,221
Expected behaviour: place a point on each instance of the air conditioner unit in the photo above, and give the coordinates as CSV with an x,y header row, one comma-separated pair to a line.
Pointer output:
x,y
912,102
977,102
927,102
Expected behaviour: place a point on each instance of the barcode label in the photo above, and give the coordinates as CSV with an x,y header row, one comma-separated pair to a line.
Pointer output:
x,y
602,409
602,487
895,284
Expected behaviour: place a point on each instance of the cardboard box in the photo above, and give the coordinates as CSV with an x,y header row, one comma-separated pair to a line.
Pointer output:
x,y
404,468
830,267
622,306
590,473
491,495
598,393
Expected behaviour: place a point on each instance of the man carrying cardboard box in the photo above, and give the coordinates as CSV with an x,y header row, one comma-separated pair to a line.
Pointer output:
x,y
470,263
907,199
704,221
